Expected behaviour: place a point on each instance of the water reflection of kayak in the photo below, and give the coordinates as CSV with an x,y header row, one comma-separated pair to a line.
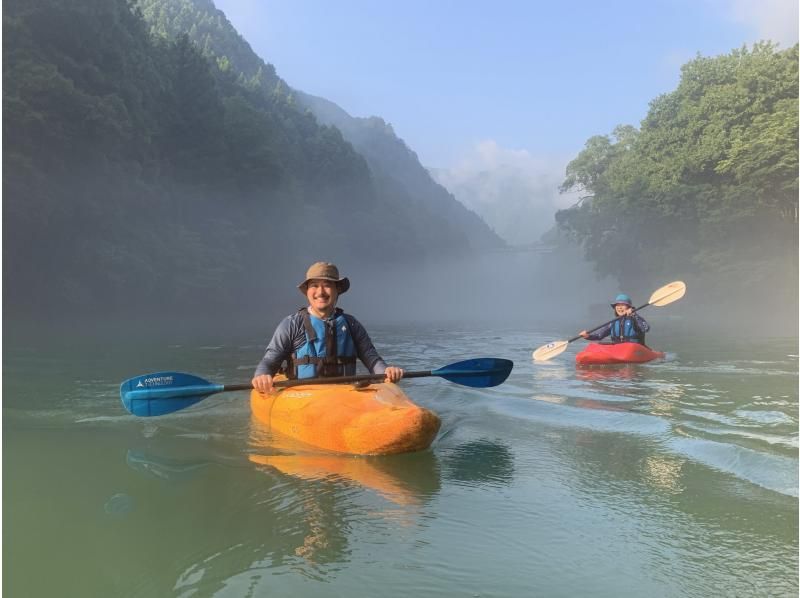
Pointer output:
x,y
407,483
376,419
406,479
614,372
604,354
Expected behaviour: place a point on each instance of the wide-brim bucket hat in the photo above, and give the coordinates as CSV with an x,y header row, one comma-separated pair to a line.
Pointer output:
x,y
623,299
324,271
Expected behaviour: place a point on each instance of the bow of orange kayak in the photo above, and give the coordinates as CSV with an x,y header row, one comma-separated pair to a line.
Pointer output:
x,y
378,419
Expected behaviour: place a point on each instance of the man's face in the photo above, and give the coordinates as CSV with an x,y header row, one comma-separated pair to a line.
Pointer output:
x,y
322,295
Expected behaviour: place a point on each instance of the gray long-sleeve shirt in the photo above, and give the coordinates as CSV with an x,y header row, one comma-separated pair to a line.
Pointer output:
x,y
290,335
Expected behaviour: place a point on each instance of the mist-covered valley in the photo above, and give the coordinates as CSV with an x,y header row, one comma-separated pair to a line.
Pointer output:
x,y
157,169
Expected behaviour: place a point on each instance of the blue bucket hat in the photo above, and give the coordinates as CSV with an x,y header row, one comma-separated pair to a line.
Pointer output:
x,y
624,299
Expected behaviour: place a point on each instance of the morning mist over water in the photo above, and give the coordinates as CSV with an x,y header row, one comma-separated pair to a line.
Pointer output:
x,y
539,289
208,201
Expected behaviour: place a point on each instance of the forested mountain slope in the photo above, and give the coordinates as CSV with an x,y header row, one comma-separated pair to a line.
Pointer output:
x,y
398,176
139,175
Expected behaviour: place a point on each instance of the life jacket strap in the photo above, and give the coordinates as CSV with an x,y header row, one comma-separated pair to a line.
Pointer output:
x,y
308,359
311,334
327,367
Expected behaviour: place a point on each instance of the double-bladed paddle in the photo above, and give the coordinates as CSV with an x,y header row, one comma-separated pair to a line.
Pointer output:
x,y
663,296
166,392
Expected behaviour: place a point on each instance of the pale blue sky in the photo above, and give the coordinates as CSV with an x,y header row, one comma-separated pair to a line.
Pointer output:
x,y
532,79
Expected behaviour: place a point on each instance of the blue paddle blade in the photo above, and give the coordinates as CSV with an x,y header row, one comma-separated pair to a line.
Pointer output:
x,y
478,373
164,392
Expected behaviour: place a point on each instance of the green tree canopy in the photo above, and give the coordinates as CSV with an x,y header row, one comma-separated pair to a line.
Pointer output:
x,y
707,187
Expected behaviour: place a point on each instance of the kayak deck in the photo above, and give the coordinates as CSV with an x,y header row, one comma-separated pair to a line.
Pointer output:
x,y
605,354
377,419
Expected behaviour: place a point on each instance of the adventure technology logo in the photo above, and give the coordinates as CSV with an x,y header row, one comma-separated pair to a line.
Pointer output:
x,y
157,381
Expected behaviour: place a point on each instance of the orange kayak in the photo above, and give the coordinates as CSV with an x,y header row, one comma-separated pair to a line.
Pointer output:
x,y
605,354
377,419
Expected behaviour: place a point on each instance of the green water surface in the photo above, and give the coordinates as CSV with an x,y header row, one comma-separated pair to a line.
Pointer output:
x,y
676,478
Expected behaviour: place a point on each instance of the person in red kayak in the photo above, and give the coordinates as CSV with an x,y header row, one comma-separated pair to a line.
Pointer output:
x,y
320,340
629,327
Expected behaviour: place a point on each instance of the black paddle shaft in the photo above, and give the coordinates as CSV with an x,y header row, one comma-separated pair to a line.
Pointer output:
x,y
336,380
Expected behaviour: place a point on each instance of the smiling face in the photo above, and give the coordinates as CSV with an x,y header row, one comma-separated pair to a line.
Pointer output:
x,y
322,296
621,309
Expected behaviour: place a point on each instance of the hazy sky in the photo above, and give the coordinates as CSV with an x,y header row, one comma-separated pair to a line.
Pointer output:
x,y
525,77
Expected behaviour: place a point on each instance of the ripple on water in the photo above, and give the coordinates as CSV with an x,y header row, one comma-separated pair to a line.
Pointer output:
x,y
729,368
118,505
773,472
761,418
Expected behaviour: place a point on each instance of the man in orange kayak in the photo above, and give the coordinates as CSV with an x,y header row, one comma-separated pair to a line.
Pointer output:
x,y
320,340
629,327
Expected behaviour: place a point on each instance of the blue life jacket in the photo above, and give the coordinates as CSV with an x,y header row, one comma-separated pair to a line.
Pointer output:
x,y
329,349
626,330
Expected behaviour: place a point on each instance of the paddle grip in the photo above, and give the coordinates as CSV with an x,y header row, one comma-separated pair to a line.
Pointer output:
x,y
228,387
336,380
420,374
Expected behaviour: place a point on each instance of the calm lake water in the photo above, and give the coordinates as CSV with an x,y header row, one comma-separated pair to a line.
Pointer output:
x,y
676,478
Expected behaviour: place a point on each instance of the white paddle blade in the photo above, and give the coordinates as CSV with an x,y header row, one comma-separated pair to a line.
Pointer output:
x,y
550,350
668,293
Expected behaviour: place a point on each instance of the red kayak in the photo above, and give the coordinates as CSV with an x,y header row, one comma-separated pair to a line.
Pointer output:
x,y
604,354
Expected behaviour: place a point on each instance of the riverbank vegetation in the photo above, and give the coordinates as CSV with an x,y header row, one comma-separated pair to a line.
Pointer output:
x,y
706,189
